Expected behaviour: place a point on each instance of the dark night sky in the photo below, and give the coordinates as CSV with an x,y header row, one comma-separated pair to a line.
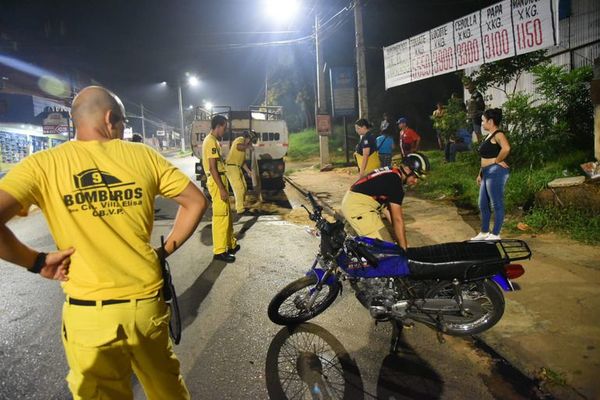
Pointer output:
x,y
132,45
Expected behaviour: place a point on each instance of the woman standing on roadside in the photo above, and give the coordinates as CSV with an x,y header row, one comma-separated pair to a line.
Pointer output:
x,y
366,154
385,147
493,175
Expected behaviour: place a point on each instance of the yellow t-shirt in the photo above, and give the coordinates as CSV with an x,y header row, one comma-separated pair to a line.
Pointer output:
x,y
211,148
236,156
98,197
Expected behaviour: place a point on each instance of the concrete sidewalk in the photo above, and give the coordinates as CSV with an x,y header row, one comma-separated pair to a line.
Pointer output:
x,y
551,326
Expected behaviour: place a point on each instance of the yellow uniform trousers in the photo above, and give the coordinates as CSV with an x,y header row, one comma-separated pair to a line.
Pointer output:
x,y
105,344
238,184
222,223
363,213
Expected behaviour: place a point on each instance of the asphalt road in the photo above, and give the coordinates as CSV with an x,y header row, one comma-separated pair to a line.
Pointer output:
x,y
230,349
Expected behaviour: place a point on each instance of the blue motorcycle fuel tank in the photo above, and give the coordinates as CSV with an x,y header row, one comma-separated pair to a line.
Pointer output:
x,y
392,261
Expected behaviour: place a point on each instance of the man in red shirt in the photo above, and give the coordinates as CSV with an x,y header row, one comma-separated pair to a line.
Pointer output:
x,y
409,138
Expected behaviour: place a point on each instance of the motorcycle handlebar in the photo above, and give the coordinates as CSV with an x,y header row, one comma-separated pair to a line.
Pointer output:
x,y
313,202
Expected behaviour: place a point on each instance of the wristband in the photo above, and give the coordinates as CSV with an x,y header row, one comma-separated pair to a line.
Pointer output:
x,y
40,261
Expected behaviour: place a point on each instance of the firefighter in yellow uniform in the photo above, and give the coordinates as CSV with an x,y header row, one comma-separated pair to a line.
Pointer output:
x,y
224,243
236,161
97,195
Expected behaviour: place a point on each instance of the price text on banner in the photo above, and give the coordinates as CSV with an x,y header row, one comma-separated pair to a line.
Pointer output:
x,y
502,30
397,64
442,49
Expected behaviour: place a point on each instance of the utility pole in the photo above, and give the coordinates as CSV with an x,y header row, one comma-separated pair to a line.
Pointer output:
x,y
321,99
596,103
361,70
267,87
181,119
143,123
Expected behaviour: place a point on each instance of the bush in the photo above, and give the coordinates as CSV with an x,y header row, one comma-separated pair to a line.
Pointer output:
x,y
558,116
456,181
569,94
453,118
534,132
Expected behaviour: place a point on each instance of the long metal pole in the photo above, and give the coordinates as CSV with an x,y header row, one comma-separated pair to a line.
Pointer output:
x,y
267,86
596,102
346,141
143,124
361,70
182,134
321,101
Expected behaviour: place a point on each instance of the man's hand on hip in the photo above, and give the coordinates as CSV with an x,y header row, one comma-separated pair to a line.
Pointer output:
x,y
57,265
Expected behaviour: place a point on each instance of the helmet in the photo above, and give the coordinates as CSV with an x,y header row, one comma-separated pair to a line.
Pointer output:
x,y
418,164
252,135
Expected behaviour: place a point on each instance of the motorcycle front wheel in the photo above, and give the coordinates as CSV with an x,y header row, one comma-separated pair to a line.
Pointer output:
x,y
290,305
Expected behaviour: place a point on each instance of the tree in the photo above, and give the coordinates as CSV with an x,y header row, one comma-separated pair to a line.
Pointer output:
x,y
501,73
291,86
453,118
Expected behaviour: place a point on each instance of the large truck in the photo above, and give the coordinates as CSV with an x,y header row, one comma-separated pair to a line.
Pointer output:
x,y
267,158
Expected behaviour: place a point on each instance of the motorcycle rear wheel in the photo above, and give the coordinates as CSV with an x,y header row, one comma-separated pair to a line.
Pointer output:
x,y
286,309
491,302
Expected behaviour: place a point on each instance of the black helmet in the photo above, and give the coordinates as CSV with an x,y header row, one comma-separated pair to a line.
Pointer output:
x,y
418,164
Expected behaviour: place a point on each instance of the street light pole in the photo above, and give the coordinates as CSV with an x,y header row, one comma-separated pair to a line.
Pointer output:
x,y
361,71
143,123
321,100
181,119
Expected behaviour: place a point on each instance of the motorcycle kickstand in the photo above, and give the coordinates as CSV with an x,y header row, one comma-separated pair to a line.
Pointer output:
x,y
397,328
440,331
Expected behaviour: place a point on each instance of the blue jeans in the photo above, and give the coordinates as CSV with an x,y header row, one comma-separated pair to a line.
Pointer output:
x,y
491,196
386,159
453,148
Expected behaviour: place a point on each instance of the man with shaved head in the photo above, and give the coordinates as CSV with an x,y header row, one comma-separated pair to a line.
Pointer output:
x,y
97,194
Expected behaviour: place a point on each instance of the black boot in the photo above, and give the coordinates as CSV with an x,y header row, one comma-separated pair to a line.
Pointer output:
x,y
235,249
226,257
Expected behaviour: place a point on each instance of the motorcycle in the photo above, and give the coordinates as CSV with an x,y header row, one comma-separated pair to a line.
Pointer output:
x,y
454,288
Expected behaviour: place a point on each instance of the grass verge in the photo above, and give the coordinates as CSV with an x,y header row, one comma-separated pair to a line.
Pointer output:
x,y
456,182
305,144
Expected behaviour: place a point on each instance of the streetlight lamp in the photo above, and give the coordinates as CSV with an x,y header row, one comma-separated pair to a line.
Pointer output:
x,y
191,81
282,10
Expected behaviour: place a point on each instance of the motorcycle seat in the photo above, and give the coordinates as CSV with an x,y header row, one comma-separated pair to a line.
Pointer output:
x,y
455,260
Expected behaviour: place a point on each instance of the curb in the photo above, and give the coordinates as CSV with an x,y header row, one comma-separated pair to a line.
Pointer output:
x,y
326,207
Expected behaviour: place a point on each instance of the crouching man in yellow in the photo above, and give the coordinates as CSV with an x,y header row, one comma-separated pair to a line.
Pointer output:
x,y
380,191
236,163
224,243
97,194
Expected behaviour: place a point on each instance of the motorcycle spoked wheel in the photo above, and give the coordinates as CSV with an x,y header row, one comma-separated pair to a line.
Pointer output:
x,y
487,312
286,308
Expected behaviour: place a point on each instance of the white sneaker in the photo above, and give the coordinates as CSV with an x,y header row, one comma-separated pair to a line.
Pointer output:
x,y
481,236
491,236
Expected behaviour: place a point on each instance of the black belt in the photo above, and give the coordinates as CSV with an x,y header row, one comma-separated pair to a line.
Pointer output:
x,y
79,302
234,165
220,173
